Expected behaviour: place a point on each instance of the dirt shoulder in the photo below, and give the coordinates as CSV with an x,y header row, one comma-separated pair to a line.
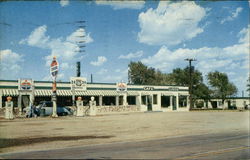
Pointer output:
x,y
49,133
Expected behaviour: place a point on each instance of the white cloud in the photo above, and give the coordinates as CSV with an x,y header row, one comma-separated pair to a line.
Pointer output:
x,y
125,4
137,54
231,59
99,62
37,38
65,49
233,15
170,23
64,3
10,63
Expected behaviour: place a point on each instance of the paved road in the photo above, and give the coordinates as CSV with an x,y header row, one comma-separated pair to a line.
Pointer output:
x,y
210,146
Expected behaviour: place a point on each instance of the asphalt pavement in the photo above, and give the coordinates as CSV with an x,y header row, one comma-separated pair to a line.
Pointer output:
x,y
208,146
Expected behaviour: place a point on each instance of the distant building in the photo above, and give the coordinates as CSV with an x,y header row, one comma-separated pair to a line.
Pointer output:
x,y
229,103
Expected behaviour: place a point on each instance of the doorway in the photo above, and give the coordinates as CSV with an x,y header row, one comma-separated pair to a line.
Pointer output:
x,y
149,102
25,101
174,103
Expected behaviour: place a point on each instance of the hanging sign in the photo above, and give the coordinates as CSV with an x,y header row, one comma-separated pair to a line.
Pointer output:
x,y
78,83
121,87
25,84
54,67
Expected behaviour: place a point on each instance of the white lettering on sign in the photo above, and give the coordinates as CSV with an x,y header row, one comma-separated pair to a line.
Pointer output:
x,y
148,88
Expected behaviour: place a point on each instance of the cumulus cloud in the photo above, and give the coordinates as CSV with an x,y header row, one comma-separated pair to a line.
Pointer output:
x,y
64,3
233,15
122,4
99,62
65,49
137,54
10,63
171,23
230,59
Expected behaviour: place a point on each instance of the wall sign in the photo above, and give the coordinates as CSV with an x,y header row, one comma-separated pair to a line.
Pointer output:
x,y
121,87
173,89
148,88
78,83
25,84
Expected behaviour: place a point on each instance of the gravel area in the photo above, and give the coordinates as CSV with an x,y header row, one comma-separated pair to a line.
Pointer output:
x,y
42,133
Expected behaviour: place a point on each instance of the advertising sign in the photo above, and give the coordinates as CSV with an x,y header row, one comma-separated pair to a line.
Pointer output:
x,y
121,87
78,83
25,84
148,88
54,67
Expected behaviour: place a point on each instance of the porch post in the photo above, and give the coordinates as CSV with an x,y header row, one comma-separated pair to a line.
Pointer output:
x,y
171,103
117,100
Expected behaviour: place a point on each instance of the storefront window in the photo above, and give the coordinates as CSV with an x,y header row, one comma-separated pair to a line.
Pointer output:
x,y
143,100
131,100
155,99
165,101
182,101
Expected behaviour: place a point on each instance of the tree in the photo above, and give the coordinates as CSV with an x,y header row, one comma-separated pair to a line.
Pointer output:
x,y
200,90
221,87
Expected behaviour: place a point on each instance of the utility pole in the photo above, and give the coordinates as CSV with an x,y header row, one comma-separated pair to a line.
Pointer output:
x,y
190,81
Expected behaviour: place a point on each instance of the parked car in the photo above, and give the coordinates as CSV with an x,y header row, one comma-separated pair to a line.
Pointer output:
x,y
45,108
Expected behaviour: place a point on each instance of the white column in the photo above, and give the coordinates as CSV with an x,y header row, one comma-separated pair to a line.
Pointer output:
x,y
100,100
124,99
117,100
1,98
19,103
177,102
171,103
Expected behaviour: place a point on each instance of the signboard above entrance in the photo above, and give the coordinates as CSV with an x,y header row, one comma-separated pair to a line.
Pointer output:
x,y
78,83
121,87
173,89
25,84
148,88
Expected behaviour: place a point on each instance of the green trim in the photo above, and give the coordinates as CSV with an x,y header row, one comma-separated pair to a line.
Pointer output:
x,y
8,80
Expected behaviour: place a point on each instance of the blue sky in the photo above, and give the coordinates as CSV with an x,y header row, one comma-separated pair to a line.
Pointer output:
x,y
160,34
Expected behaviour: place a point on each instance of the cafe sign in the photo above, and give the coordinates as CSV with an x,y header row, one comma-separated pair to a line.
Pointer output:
x,y
148,88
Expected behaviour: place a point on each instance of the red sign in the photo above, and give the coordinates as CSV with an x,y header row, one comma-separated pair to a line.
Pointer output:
x,y
54,67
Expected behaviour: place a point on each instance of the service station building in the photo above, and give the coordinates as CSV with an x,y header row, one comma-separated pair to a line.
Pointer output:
x,y
108,96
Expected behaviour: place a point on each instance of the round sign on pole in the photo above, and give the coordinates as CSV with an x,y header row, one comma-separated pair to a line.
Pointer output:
x,y
54,67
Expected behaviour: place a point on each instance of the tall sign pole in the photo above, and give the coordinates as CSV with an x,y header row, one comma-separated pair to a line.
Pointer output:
x,y
190,81
54,67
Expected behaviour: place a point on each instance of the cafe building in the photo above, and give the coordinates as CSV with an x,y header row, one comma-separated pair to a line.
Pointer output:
x,y
109,97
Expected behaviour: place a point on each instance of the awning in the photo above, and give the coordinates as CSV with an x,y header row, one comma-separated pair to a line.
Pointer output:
x,y
9,92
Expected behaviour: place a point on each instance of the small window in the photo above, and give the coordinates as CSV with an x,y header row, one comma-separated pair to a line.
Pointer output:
x,y
155,99
143,100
